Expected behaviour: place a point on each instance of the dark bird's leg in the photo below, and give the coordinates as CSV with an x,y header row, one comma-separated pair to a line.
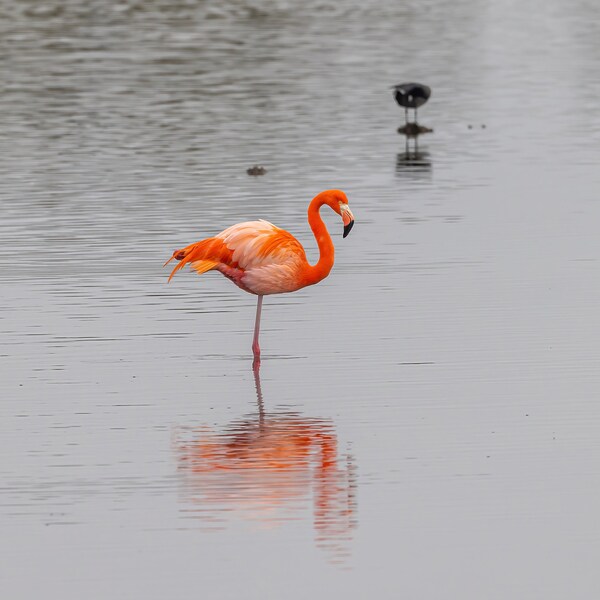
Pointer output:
x,y
415,116
406,115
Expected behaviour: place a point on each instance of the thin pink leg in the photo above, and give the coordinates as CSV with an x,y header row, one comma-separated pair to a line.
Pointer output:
x,y
255,346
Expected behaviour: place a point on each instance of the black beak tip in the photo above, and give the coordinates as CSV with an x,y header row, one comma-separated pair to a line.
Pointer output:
x,y
347,228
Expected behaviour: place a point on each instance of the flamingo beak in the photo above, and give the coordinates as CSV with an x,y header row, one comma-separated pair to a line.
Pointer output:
x,y
347,218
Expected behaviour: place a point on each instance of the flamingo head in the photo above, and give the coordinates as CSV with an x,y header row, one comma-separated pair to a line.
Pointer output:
x,y
347,218
338,201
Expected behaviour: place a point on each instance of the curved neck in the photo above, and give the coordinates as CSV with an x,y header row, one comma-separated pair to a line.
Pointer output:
x,y
326,250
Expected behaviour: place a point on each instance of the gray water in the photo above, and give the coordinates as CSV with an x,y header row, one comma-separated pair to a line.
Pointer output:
x,y
425,423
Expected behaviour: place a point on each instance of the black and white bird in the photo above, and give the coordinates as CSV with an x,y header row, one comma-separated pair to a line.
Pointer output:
x,y
411,95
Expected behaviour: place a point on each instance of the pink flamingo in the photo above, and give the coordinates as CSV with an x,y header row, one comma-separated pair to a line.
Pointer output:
x,y
262,259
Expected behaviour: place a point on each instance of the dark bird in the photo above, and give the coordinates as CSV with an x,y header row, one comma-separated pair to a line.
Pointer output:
x,y
411,95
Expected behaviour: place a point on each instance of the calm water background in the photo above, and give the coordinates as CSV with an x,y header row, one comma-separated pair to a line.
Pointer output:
x,y
426,424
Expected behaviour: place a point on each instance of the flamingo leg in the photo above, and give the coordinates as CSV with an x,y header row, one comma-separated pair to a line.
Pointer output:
x,y
255,346
259,397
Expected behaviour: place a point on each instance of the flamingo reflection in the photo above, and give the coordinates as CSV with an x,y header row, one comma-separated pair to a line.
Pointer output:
x,y
271,467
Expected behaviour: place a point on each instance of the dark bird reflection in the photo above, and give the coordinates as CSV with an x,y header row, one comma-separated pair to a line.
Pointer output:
x,y
412,160
271,467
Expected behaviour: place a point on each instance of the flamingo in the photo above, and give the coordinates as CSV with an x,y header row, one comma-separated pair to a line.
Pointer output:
x,y
263,259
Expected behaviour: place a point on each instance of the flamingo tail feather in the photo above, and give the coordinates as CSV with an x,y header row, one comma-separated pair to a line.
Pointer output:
x,y
202,256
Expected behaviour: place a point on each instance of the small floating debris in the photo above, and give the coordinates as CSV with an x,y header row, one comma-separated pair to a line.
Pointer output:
x,y
414,129
256,170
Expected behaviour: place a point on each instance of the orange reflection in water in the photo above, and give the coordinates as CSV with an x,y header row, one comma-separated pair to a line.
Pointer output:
x,y
271,468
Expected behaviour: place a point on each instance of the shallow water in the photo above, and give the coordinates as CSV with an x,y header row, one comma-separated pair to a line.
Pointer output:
x,y
425,423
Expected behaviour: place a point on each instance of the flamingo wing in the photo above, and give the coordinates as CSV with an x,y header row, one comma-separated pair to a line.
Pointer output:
x,y
260,243
272,259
